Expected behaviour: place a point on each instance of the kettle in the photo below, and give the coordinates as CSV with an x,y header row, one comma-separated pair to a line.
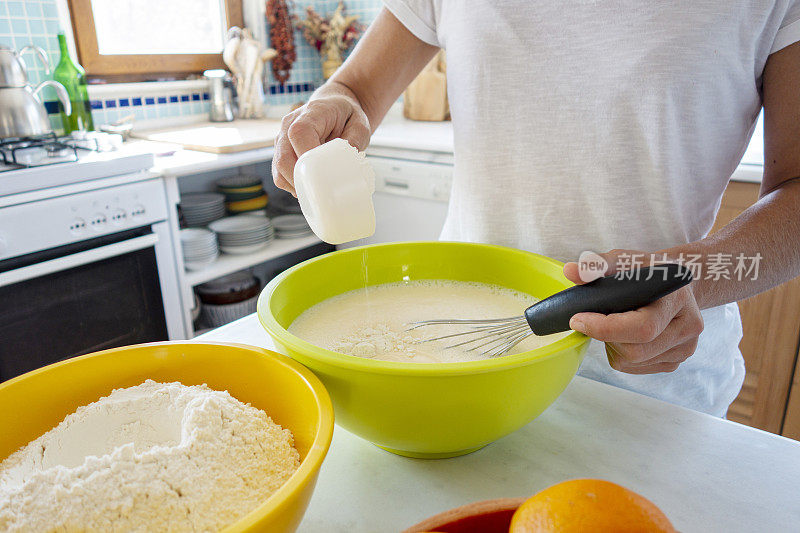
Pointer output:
x,y
22,113
13,71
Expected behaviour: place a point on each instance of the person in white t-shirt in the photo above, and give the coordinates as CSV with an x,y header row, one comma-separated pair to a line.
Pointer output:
x,y
591,125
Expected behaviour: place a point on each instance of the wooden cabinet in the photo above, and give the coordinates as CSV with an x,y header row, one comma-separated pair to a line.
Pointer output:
x,y
770,397
791,421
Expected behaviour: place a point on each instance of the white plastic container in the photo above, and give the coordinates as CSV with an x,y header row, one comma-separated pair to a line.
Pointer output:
x,y
334,184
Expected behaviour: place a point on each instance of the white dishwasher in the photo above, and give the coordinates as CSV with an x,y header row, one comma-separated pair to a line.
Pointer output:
x,y
410,200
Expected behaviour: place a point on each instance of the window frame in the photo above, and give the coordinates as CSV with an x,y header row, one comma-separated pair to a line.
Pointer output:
x,y
139,67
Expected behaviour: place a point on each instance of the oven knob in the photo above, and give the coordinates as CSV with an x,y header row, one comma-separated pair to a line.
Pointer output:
x,y
138,210
97,221
118,216
77,226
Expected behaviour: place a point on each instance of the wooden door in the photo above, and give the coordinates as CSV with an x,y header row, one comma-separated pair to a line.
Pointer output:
x,y
771,323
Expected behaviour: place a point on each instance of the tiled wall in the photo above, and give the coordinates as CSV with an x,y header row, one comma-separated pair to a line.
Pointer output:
x,y
31,22
307,68
149,106
36,21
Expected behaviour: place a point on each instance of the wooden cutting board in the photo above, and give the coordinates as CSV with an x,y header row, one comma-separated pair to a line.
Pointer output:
x,y
218,137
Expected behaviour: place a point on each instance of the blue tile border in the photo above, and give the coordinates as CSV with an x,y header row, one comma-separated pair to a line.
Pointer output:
x,y
291,88
136,101
161,99
150,101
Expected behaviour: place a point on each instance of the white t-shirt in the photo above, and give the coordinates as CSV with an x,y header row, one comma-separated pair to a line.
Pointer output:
x,y
594,125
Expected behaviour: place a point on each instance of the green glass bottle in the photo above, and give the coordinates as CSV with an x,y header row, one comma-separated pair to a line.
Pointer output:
x,y
72,76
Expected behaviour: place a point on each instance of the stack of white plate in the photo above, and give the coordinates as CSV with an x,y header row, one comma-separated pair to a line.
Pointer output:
x,y
200,208
199,248
243,234
290,226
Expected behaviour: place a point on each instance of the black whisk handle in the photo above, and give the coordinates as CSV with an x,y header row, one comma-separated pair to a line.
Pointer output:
x,y
618,293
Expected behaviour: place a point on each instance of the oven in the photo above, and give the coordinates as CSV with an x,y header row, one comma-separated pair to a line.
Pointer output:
x,y
82,271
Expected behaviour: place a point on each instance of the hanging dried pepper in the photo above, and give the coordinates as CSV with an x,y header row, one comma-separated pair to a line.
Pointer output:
x,y
281,35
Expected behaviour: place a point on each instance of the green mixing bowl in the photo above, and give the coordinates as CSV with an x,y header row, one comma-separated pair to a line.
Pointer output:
x,y
429,410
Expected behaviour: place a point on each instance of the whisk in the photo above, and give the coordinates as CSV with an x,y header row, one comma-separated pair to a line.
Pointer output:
x,y
619,293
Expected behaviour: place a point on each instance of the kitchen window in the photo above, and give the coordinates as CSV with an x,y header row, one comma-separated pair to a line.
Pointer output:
x,y
133,40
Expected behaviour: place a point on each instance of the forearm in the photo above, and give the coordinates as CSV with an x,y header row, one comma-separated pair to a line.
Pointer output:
x,y
382,65
767,230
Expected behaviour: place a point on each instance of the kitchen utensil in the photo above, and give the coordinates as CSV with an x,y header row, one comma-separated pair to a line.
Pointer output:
x,y
426,409
611,294
238,136
245,57
199,247
239,225
195,311
243,234
425,98
220,89
240,182
243,193
233,288
123,126
13,71
218,315
289,393
245,249
334,185
202,208
232,40
22,113
290,226
488,516
249,204
284,203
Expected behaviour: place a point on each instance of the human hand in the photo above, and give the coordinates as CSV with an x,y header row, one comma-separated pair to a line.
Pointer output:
x,y
651,339
313,124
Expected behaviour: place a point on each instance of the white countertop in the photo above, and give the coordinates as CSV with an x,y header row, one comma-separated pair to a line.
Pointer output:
x,y
706,474
403,134
395,136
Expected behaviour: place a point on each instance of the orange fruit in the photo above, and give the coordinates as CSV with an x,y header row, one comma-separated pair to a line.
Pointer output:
x,y
588,505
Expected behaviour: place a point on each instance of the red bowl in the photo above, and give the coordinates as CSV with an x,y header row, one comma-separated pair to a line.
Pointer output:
x,y
489,516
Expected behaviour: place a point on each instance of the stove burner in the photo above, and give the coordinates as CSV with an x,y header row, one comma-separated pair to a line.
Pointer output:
x,y
56,150
37,151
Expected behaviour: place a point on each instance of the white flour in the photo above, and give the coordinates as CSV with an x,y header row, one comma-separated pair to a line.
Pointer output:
x,y
372,322
155,457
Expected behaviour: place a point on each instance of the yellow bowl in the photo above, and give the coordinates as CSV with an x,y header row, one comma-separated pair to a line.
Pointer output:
x,y
35,402
248,205
418,409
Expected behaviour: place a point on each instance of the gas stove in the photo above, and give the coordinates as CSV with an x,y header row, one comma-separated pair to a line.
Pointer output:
x,y
34,152
49,149
36,163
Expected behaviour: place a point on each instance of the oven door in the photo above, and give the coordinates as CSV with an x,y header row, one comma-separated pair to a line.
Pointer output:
x,y
80,298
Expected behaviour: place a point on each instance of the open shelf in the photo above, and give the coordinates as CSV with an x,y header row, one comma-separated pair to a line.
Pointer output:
x,y
227,263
